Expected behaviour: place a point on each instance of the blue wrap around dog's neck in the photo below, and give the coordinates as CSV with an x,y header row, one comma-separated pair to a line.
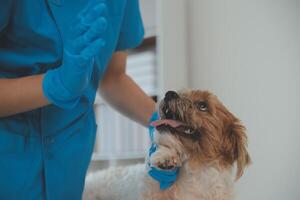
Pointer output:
x,y
166,178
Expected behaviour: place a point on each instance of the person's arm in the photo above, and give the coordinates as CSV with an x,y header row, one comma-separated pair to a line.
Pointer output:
x,y
64,85
120,91
21,94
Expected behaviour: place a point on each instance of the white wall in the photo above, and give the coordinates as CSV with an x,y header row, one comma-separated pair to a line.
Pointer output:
x,y
148,11
172,54
248,53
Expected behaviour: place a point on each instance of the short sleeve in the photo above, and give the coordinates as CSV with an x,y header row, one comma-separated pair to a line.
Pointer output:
x,y
132,29
5,12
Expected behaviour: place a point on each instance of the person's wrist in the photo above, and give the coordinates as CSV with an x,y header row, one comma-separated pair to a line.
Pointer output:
x,y
56,93
64,85
75,73
154,117
151,129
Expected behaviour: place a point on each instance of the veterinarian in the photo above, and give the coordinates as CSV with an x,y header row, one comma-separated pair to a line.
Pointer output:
x,y
53,54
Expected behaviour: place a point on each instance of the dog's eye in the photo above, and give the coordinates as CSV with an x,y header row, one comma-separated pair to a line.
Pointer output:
x,y
202,105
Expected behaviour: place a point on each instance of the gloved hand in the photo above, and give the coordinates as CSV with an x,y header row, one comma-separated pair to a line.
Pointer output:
x,y
154,117
166,178
63,86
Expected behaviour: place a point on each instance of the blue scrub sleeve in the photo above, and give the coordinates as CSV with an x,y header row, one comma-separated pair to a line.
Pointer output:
x,y
132,29
5,10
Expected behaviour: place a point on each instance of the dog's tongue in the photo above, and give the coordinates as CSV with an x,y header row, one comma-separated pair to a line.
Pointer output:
x,y
170,122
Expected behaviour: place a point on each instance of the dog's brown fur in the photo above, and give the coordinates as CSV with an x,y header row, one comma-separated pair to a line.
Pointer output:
x,y
223,139
206,161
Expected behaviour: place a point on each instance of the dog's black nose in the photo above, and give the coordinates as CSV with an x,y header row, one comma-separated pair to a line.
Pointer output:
x,y
171,95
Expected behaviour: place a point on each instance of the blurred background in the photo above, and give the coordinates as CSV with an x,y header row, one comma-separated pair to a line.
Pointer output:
x,y
245,51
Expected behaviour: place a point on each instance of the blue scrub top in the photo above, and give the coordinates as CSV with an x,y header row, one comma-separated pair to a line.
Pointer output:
x,y
44,153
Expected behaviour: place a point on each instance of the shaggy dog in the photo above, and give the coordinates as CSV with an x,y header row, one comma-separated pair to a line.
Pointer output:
x,y
196,133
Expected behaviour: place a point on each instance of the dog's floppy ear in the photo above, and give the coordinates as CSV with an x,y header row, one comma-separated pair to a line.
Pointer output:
x,y
236,147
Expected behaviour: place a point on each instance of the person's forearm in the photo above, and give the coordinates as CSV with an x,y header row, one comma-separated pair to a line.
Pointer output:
x,y
21,95
124,95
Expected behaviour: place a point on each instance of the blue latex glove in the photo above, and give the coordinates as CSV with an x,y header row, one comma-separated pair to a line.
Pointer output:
x,y
64,86
154,117
166,178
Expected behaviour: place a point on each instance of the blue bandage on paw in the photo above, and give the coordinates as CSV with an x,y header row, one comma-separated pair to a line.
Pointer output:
x,y
166,178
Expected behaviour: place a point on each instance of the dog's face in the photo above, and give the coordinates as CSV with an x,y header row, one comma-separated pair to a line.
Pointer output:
x,y
205,128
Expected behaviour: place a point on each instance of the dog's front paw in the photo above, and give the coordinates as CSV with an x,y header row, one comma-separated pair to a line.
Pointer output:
x,y
165,159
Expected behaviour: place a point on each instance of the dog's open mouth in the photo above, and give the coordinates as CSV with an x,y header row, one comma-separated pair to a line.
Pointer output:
x,y
175,126
172,122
